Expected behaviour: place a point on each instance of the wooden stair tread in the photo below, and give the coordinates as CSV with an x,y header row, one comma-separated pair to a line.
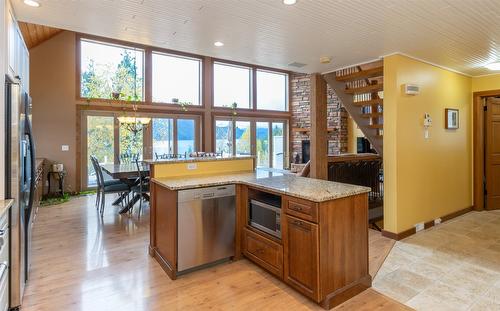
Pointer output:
x,y
372,115
376,126
366,89
378,101
368,73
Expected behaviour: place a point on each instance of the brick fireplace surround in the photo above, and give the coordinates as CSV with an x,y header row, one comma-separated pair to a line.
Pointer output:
x,y
337,116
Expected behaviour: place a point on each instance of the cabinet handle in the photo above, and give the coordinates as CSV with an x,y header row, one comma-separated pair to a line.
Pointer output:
x,y
298,222
259,251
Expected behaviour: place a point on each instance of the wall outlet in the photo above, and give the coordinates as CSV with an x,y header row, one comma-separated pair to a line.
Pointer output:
x,y
437,221
192,166
419,227
65,148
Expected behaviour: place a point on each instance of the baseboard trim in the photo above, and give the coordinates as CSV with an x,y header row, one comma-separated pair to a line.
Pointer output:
x,y
427,225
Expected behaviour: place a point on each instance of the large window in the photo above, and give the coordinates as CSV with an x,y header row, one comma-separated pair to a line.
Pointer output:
x,y
163,136
224,136
112,141
131,138
186,136
272,90
232,86
100,143
267,140
176,79
262,146
243,138
111,71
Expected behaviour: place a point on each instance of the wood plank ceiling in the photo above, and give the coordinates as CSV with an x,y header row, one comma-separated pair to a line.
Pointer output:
x,y
35,34
460,34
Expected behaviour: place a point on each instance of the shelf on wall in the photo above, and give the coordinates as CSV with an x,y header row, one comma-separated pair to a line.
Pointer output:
x,y
306,130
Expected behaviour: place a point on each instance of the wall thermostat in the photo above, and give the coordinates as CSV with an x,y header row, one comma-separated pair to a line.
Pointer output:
x,y
411,89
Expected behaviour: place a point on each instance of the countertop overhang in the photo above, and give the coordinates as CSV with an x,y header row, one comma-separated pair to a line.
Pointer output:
x,y
311,189
197,159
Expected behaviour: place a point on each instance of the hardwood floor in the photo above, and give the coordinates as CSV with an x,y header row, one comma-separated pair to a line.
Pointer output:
x,y
81,262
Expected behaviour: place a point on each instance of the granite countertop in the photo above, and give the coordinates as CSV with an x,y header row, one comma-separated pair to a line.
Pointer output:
x,y
5,205
315,190
197,159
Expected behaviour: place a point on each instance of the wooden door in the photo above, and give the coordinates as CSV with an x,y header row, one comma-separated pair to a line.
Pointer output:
x,y
492,156
300,240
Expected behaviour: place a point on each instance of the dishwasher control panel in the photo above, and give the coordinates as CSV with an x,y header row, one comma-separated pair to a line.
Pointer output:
x,y
206,193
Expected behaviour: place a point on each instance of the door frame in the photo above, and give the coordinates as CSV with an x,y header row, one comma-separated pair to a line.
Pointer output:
x,y
479,145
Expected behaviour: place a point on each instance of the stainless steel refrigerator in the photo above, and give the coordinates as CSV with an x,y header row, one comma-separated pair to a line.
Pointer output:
x,y
20,184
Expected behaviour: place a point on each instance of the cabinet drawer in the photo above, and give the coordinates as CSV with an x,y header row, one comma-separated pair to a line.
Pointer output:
x,y
304,209
264,252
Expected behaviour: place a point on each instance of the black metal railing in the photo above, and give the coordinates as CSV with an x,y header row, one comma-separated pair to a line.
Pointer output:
x,y
366,173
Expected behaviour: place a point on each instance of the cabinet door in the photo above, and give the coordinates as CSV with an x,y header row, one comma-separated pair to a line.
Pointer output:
x,y
300,239
12,42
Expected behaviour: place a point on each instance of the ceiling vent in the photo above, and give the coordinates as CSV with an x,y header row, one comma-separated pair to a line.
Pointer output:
x,y
296,65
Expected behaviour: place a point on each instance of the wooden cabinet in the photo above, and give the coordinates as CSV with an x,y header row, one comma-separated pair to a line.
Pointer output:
x,y
300,208
263,251
324,247
300,240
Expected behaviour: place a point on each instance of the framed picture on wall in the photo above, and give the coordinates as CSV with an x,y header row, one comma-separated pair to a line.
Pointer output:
x,y
451,119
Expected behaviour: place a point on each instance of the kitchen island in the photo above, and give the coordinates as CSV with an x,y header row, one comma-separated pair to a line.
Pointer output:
x,y
320,242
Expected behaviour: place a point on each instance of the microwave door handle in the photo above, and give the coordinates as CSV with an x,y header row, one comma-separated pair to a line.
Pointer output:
x,y
266,206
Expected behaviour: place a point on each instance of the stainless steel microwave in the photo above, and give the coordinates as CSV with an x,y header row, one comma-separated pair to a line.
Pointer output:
x,y
265,217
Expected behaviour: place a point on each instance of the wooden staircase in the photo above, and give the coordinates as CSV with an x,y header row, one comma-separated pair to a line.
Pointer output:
x,y
360,89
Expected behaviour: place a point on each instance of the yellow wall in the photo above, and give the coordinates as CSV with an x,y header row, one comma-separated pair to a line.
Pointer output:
x,y
424,178
203,167
486,83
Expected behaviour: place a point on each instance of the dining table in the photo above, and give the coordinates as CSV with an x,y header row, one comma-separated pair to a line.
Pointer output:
x,y
127,173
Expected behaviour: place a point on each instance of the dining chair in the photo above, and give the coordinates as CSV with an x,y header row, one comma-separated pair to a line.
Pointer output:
x,y
128,157
107,187
142,185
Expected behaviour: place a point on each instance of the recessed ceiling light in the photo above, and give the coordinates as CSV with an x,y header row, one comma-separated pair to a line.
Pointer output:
x,y
218,43
289,2
32,3
493,66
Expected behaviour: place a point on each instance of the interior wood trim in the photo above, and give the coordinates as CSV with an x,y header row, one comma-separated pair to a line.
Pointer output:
x,y
318,137
148,51
478,146
427,225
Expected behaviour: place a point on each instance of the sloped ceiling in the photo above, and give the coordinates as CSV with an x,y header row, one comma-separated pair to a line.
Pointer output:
x,y
36,34
462,35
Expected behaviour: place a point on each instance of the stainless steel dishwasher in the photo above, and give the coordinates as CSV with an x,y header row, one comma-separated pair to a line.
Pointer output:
x,y
206,226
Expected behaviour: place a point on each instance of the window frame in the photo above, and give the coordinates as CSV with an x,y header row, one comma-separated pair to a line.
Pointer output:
x,y
112,43
250,83
253,132
147,144
184,56
287,90
253,88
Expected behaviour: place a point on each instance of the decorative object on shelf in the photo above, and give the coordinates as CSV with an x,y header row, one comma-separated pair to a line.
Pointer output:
x,y
59,167
296,158
175,100
451,119
233,107
184,105
115,95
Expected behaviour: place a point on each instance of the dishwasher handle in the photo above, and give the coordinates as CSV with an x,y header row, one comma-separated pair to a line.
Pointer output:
x,y
206,193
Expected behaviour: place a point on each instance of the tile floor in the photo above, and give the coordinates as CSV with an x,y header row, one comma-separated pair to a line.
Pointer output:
x,y
453,266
